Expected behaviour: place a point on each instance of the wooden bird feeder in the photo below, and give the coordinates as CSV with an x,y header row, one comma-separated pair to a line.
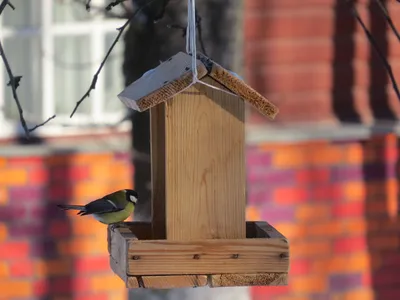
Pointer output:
x,y
198,235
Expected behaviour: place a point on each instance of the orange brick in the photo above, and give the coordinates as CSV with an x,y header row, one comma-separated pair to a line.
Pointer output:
x,y
15,289
364,294
90,190
288,195
326,156
106,282
46,268
21,268
354,154
325,229
4,270
89,158
118,295
354,191
291,230
315,212
252,214
310,248
81,246
13,176
355,226
3,196
87,226
357,262
3,232
289,158
392,198
3,162
309,284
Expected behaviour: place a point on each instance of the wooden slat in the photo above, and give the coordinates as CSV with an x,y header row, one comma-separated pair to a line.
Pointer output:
x,y
239,87
118,245
174,282
166,80
132,282
158,162
207,257
205,184
262,279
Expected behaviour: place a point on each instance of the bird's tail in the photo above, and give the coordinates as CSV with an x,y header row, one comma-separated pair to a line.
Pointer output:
x,y
68,207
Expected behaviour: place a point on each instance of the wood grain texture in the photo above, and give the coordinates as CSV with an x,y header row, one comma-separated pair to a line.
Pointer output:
x,y
262,279
239,87
118,245
164,257
205,168
160,84
132,282
158,168
174,281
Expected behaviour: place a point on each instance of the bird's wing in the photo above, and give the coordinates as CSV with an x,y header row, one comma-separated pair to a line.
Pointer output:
x,y
101,206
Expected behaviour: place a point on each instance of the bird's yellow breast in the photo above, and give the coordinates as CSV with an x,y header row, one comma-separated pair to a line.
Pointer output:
x,y
116,217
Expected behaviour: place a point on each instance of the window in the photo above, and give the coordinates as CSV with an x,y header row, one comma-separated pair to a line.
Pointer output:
x,y
57,46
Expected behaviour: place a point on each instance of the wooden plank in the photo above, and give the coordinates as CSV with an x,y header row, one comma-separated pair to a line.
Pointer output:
x,y
174,281
205,183
262,279
239,87
118,245
267,230
158,85
157,145
132,282
163,257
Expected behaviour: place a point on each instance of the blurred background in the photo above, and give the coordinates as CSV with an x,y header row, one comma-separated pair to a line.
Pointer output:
x,y
325,173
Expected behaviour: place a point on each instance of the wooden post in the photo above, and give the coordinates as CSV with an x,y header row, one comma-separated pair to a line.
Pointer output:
x,y
205,171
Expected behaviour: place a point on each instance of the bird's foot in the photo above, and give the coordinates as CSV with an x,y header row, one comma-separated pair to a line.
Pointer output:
x,y
117,225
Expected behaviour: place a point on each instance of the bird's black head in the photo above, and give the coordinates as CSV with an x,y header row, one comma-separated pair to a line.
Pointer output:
x,y
132,196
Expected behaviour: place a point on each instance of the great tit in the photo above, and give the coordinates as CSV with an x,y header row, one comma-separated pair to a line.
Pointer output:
x,y
112,209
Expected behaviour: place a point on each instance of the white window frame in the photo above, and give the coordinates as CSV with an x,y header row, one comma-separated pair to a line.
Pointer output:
x,y
98,120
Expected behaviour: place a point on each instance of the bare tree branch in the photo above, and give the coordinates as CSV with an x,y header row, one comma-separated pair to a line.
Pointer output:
x,y
96,75
388,18
88,5
377,49
114,3
14,81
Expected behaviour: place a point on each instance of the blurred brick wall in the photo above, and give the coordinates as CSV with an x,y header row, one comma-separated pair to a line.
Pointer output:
x,y
313,60
337,202
46,253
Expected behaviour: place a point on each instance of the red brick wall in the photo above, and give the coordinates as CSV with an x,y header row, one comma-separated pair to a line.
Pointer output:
x,y
337,202
44,252
313,60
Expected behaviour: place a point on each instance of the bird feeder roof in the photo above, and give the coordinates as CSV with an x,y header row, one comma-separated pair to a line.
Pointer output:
x,y
175,75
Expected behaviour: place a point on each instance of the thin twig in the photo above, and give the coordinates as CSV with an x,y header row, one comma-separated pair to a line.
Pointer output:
x,y
96,75
41,124
14,81
114,3
199,30
388,18
377,49
4,4
88,5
